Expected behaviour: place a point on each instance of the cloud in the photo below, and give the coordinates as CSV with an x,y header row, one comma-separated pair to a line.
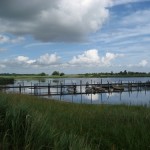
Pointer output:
x,y
2,66
92,58
48,20
109,57
48,59
143,63
6,39
140,17
45,60
88,57
25,60
17,40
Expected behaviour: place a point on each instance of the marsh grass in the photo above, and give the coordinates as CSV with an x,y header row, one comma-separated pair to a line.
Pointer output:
x,y
28,122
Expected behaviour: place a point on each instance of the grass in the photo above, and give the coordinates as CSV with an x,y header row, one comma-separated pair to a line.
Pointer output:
x,y
38,77
28,122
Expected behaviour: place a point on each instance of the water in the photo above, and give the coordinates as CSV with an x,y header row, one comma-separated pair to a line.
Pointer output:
x,y
141,97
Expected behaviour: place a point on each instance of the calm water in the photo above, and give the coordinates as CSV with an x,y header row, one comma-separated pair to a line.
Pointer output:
x,y
130,98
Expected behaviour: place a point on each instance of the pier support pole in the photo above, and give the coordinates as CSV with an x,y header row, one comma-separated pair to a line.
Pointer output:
x,y
20,88
49,89
81,90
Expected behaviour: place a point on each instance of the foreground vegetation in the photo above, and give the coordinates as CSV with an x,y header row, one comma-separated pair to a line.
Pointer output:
x,y
28,122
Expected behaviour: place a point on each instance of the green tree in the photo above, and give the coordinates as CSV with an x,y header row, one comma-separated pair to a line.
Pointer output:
x,y
125,72
55,73
42,74
62,74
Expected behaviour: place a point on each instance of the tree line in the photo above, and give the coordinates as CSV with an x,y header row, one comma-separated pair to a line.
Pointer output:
x,y
54,73
57,73
121,73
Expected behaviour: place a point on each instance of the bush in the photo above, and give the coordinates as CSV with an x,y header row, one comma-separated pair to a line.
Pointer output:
x,y
4,81
56,73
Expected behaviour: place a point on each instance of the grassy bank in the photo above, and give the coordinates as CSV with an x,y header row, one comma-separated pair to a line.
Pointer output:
x,y
38,77
32,123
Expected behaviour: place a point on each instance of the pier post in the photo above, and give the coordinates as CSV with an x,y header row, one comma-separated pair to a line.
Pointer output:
x,y
91,97
20,88
145,88
61,88
138,86
101,98
31,88
35,89
49,89
108,86
57,88
81,90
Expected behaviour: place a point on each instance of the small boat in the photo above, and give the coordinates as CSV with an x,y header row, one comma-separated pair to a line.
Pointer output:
x,y
99,89
89,90
118,88
71,89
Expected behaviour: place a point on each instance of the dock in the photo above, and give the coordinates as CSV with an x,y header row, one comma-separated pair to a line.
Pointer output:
x,y
48,89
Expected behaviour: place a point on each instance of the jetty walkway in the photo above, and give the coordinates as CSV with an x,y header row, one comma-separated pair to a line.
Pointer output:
x,y
80,88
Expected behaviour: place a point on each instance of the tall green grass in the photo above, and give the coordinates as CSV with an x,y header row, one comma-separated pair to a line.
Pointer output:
x,y
28,122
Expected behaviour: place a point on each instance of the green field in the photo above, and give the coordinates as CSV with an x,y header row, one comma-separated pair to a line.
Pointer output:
x,y
31,123
39,77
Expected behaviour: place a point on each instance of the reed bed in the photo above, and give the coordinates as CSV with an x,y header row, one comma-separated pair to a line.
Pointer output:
x,y
28,123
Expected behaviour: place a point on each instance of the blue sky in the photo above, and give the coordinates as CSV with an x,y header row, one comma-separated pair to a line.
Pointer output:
x,y
74,36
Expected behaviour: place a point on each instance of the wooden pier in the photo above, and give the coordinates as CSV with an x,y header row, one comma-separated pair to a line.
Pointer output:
x,y
71,89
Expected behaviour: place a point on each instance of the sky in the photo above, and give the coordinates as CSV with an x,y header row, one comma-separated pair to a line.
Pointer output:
x,y
74,36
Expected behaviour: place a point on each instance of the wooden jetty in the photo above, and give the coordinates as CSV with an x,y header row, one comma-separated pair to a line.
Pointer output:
x,y
81,88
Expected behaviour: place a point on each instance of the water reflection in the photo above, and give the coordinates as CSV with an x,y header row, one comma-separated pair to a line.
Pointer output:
x,y
139,97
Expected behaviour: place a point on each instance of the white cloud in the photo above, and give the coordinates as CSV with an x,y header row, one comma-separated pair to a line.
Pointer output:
x,y
44,60
109,57
26,60
17,40
140,17
59,20
48,59
2,66
21,62
4,39
88,57
143,63
7,39
92,58
22,58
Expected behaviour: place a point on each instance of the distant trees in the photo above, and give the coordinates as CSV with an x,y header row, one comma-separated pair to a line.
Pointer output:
x,y
57,73
42,74
117,74
123,72
62,74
